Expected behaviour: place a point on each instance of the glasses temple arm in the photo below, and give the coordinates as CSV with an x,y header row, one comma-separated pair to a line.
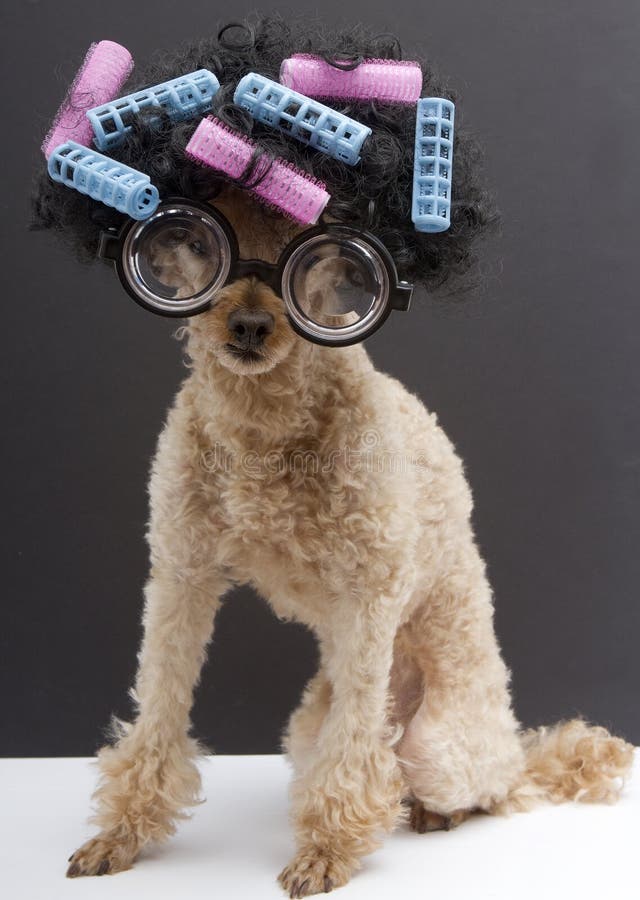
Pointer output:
x,y
400,296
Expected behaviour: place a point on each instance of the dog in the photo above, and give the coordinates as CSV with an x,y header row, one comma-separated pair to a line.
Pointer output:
x,y
353,518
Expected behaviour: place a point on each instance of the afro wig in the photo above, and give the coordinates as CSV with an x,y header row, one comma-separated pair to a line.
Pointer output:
x,y
375,194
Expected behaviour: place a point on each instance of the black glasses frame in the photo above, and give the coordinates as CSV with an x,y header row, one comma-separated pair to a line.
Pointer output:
x,y
112,244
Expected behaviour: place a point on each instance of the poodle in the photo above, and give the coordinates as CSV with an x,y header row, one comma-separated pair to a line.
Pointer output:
x,y
303,471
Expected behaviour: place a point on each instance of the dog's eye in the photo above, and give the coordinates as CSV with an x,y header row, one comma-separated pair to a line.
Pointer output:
x,y
197,248
356,278
172,237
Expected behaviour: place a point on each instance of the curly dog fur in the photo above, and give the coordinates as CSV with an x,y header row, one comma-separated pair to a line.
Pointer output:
x,y
328,487
375,552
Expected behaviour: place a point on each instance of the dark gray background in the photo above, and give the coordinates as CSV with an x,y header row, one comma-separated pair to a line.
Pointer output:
x,y
536,382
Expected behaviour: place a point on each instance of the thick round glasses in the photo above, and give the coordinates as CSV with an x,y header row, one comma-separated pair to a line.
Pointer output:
x,y
338,283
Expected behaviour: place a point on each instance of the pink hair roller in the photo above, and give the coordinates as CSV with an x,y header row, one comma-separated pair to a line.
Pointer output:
x,y
105,69
278,183
388,80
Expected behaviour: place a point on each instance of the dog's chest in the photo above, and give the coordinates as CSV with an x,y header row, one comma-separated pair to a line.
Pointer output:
x,y
279,503
292,524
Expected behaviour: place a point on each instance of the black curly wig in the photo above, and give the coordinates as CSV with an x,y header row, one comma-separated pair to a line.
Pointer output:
x,y
375,194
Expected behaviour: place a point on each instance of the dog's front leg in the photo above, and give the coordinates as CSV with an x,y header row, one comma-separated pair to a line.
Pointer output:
x,y
352,792
149,775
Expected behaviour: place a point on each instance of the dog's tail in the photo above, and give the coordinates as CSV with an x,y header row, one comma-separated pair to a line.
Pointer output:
x,y
569,761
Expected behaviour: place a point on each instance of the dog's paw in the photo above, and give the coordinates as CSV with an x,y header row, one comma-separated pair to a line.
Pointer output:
x,y
314,871
423,820
106,854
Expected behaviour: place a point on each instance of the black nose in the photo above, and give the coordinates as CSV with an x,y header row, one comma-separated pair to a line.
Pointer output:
x,y
250,327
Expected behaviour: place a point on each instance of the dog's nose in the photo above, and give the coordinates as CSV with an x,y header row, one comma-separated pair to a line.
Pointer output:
x,y
250,327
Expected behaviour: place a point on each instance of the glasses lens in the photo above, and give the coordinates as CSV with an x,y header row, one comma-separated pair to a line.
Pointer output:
x,y
335,288
176,260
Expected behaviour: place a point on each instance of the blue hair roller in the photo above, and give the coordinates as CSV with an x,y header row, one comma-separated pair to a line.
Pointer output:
x,y
181,98
431,206
104,179
305,119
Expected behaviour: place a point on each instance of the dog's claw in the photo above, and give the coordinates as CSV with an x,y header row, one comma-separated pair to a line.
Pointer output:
x,y
104,854
423,820
309,873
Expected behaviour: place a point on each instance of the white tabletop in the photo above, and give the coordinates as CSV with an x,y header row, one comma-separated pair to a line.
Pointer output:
x,y
238,841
